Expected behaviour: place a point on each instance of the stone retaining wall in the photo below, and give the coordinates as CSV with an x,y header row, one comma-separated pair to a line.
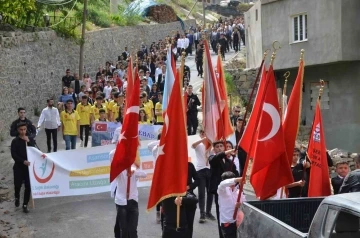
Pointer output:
x,y
32,64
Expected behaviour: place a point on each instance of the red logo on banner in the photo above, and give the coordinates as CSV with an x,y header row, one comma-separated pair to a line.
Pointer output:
x,y
100,127
43,167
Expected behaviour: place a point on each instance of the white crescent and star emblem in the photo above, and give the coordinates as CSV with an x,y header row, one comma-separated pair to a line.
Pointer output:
x,y
275,118
97,127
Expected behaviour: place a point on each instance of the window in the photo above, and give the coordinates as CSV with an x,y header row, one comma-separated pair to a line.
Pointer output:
x,y
314,94
299,28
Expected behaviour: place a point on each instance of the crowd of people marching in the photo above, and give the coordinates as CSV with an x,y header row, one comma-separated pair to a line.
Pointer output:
x,y
84,101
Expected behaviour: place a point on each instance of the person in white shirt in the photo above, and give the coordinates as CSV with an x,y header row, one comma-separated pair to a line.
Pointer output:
x,y
126,200
51,119
107,89
228,193
203,171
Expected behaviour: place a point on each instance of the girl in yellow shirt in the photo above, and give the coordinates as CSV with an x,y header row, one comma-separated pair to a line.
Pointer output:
x,y
142,117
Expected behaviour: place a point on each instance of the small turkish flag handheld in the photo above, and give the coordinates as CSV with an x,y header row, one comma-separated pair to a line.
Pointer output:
x,y
250,129
126,148
170,174
100,127
292,114
319,183
271,168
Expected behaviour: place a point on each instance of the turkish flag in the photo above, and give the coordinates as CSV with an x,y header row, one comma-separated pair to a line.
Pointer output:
x,y
211,100
171,169
250,129
291,121
100,127
127,147
319,183
226,129
271,168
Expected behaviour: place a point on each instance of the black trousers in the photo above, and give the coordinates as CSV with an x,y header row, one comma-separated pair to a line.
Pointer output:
x,y
21,174
236,45
190,215
128,218
196,44
49,133
199,67
189,49
229,230
204,183
87,130
192,123
213,46
218,215
117,226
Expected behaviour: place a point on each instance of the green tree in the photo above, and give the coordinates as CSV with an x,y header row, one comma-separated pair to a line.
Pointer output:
x,y
17,12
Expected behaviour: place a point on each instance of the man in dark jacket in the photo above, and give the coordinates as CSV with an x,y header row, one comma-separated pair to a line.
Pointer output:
x,y
31,129
219,163
20,168
352,180
192,103
342,170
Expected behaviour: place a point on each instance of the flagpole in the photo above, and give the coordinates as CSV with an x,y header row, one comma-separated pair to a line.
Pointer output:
x,y
243,180
181,74
250,99
283,101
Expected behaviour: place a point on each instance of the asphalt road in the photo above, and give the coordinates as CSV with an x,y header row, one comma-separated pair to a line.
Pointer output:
x,y
94,215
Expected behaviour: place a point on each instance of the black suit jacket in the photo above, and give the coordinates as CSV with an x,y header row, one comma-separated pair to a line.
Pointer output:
x,y
336,184
160,83
218,167
351,182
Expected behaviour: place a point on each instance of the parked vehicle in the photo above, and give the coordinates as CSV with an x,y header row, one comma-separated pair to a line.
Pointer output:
x,y
335,216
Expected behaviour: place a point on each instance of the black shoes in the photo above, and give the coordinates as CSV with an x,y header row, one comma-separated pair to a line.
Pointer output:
x,y
202,218
17,202
25,209
210,216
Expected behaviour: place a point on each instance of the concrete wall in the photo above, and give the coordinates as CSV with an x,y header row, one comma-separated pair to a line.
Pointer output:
x,y
253,36
350,34
342,119
32,64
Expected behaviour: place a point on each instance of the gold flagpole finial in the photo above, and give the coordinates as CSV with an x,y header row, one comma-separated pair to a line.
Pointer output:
x,y
286,75
272,58
302,51
274,46
321,90
266,53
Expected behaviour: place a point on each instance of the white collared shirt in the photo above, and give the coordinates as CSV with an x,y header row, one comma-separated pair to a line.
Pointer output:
x,y
51,118
201,158
227,200
121,186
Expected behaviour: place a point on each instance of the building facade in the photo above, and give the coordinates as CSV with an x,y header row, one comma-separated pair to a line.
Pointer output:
x,y
329,32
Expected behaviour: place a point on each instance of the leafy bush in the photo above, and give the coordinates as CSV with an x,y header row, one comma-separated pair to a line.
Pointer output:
x,y
230,85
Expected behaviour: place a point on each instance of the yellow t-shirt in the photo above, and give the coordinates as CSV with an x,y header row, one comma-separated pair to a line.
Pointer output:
x,y
69,122
95,111
115,111
110,105
84,113
158,106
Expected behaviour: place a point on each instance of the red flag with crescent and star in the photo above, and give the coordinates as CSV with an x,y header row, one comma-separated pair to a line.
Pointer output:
x,y
127,147
271,169
250,129
171,169
319,183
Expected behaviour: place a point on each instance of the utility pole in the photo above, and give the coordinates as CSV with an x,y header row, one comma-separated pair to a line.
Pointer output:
x,y
82,42
204,14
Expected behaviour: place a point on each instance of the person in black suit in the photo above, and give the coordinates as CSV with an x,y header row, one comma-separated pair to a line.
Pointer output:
x,y
125,54
342,170
219,163
351,182
161,79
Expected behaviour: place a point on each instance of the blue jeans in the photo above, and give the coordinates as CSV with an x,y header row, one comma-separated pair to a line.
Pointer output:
x,y
70,139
